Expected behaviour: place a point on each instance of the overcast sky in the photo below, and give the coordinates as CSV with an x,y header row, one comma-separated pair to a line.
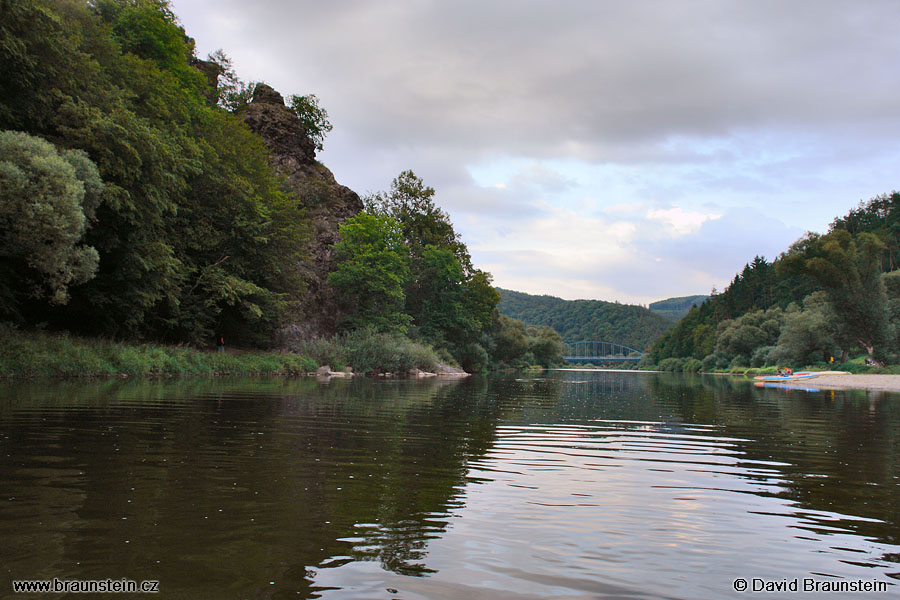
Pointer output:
x,y
613,150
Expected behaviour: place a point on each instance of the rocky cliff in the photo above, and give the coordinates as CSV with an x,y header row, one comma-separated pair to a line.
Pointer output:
x,y
327,205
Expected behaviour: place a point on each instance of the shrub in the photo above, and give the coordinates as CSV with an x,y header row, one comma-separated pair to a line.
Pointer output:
x,y
671,364
710,363
323,351
368,351
37,354
526,360
692,366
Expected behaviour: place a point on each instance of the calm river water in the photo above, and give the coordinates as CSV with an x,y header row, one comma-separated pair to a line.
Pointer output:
x,y
562,484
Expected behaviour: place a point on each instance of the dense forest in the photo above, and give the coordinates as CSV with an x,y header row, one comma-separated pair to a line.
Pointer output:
x,y
137,204
827,297
583,320
676,308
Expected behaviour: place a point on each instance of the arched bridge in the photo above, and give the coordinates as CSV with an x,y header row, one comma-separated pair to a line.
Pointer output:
x,y
599,352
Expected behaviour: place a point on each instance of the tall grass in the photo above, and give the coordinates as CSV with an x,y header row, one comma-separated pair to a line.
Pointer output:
x,y
367,351
26,354
39,354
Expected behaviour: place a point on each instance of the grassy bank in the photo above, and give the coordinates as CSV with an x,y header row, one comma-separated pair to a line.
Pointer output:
x,y
35,354
367,351
855,366
39,354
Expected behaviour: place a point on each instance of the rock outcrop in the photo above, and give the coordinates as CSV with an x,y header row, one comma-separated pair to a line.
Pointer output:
x,y
327,204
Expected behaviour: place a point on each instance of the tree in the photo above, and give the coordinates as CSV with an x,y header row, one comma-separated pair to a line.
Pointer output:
x,y
879,215
892,289
314,118
739,339
195,232
808,335
545,345
411,203
849,271
450,302
510,340
480,299
371,274
231,93
439,285
47,198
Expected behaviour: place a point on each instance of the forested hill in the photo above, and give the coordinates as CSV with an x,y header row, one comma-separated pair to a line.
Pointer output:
x,y
581,320
827,297
676,308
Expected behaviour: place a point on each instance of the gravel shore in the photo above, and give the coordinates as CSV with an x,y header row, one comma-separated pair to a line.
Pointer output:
x,y
888,383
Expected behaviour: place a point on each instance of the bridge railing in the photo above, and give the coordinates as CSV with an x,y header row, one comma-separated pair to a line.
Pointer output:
x,y
591,350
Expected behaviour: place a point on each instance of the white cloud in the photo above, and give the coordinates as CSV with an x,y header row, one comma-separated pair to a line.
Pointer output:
x,y
680,221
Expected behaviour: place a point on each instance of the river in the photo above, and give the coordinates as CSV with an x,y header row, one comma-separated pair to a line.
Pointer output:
x,y
559,484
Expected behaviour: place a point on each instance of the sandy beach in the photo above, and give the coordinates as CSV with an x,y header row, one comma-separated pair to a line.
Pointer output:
x,y
888,383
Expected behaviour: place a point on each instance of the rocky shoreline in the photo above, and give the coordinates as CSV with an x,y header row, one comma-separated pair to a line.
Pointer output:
x,y
441,370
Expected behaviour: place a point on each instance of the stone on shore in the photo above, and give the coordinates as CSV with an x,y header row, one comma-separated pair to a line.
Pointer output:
x,y
325,371
418,374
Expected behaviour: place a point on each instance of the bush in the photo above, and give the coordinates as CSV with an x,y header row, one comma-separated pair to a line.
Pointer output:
x,y
368,351
526,360
323,351
692,366
709,363
672,364
476,359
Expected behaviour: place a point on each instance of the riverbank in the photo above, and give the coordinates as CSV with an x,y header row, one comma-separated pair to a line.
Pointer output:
x,y
887,383
40,355
28,355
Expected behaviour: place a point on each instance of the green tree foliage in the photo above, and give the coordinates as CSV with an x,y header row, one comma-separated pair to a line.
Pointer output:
x,y
194,232
879,215
676,308
892,292
545,345
412,204
440,286
47,199
582,320
739,339
757,287
371,274
450,303
510,338
807,336
231,92
314,118
849,271
518,345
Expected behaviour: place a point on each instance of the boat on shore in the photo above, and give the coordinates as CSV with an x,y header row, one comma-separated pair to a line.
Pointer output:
x,y
798,375
791,377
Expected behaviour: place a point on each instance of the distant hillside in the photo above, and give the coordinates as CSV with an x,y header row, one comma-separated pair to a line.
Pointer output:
x,y
583,320
676,308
